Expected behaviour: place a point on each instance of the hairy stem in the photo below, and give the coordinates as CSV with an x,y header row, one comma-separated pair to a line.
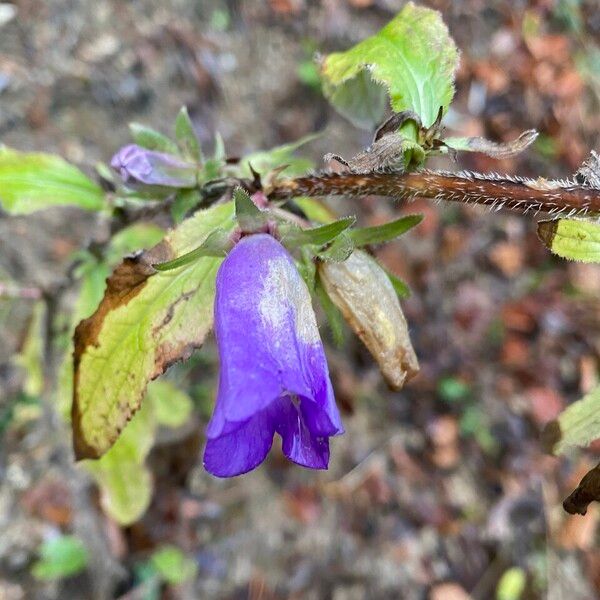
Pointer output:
x,y
556,198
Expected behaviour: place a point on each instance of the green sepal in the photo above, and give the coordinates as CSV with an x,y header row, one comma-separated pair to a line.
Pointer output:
x,y
293,236
341,248
400,287
379,234
334,317
217,244
249,217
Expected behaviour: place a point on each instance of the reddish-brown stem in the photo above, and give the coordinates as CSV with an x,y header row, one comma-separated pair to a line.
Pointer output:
x,y
556,198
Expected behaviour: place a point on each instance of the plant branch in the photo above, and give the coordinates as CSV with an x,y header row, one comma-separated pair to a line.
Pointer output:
x,y
564,198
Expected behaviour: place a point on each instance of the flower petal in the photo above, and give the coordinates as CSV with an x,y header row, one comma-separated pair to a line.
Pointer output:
x,y
240,450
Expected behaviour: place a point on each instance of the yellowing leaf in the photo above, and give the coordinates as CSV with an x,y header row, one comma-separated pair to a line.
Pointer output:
x,y
93,274
362,291
146,321
34,181
572,239
413,56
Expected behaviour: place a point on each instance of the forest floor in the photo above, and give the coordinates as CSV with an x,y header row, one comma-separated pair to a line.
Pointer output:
x,y
434,492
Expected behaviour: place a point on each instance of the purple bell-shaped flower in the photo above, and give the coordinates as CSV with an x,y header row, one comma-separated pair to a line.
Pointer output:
x,y
274,376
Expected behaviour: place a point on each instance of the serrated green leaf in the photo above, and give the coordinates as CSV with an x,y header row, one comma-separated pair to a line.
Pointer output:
x,y
173,565
360,99
577,425
35,181
413,56
293,236
149,138
60,557
172,406
572,239
146,321
386,232
186,136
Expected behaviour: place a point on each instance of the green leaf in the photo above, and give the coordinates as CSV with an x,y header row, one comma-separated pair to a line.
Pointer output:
x,y
34,181
293,236
267,160
380,234
577,425
216,244
60,557
172,407
186,136
173,565
138,236
121,474
146,321
149,138
571,239
413,56
184,202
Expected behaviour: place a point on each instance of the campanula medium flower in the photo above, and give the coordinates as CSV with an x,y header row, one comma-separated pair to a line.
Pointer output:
x,y
139,166
274,376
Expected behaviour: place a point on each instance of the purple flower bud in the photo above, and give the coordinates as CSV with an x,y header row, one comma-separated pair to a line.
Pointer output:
x,y
136,165
274,376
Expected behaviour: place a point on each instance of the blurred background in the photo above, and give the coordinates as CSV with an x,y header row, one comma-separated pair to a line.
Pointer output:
x,y
441,491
